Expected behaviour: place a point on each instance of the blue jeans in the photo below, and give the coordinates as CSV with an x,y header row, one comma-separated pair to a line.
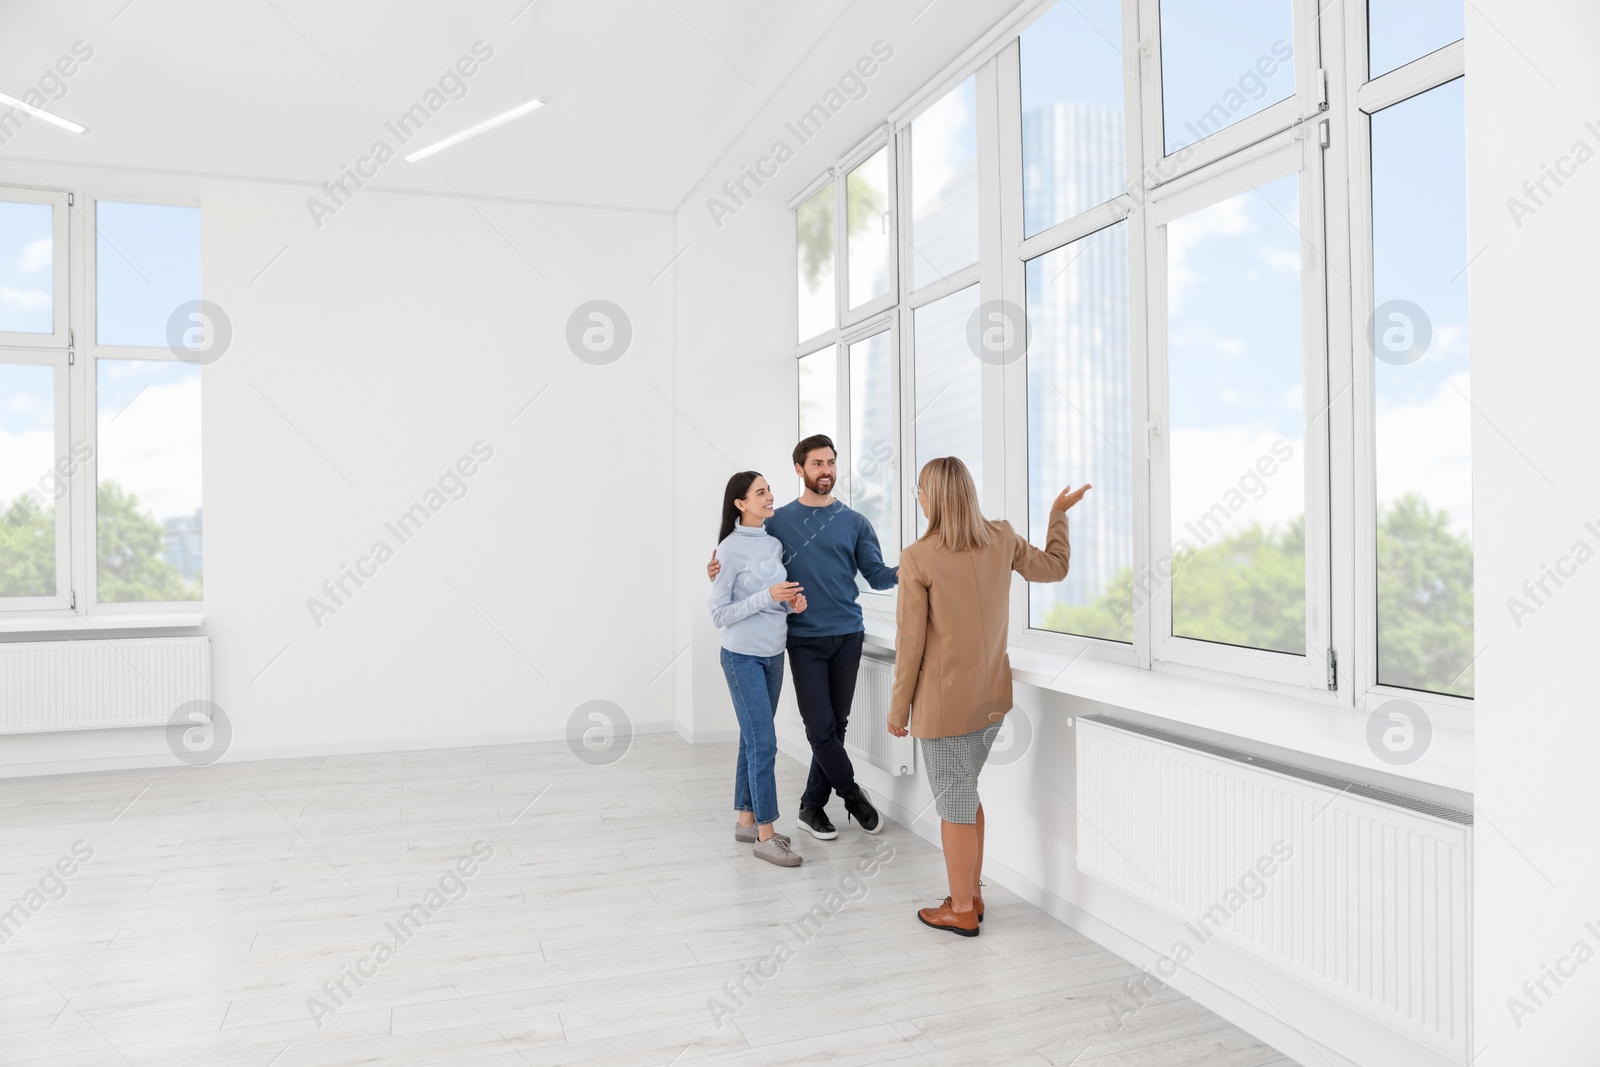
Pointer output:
x,y
755,682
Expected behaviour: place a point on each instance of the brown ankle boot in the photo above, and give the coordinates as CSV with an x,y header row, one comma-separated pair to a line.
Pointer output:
x,y
945,917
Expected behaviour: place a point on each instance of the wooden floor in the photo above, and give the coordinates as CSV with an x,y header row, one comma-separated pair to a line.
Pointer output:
x,y
612,917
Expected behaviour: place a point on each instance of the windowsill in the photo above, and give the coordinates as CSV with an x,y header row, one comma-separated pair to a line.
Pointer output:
x,y
33,624
1254,717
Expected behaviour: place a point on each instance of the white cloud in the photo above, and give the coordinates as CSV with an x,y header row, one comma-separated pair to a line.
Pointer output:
x,y
24,459
153,448
1206,464
36,256
1231,218
23,299
1426,448
1281,260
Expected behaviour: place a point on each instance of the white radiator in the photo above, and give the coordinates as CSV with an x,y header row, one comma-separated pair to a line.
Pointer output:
x,y
868,734
86,685
1372,907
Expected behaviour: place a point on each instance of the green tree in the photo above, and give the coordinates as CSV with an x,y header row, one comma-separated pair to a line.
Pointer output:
x,y
1249,589
27,549
1108,616
129,548
1424,600
813,221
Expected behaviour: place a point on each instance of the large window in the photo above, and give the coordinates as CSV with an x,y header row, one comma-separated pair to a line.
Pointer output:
x,y
31,549
1079,417
1422,417
1074,125
1275,421
1221,63
27,261
819,394
148,530
1399,31
944,186
813,231
100,508
868,235
949,387
1236,409
872,483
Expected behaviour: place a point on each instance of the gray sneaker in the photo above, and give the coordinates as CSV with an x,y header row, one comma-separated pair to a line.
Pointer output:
x,y
746,835
775,849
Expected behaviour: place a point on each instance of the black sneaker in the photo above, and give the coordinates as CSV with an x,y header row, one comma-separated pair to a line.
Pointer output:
x,y
860,808
814,821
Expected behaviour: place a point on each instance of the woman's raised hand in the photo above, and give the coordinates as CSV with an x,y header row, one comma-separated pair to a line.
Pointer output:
x,y
1070,496
785,591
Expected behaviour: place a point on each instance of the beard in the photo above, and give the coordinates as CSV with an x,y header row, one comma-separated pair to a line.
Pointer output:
x,y
816,485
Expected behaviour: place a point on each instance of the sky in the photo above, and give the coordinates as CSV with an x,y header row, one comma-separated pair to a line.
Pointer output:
x,y
944,150
25,268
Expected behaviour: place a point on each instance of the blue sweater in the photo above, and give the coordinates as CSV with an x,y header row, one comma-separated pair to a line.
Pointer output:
x,y
823,548
741,606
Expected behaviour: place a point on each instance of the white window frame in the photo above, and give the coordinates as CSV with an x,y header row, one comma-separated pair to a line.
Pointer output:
x,y
1018,251
61,308
807,345
1321,131
88,394
1364,97
1306,101
1287,156
906,253
57,361
849,316
77,359
881,601
54,350
812,348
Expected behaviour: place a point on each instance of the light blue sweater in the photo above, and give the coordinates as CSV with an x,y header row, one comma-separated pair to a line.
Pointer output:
x,y
752,623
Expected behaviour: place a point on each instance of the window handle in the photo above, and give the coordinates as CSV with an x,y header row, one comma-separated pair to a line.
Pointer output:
x,y
1151,430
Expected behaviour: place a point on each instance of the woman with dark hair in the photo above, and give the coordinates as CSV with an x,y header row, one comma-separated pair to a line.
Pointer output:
x,y
952,677
751,600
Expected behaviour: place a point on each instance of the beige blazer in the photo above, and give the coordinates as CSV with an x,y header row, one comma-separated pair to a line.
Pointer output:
x,y
951,673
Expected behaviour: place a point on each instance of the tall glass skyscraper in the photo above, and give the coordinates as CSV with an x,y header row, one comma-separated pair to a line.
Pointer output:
x,y
1079,376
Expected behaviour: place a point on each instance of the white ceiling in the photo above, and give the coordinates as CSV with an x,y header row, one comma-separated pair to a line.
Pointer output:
x,y
644,95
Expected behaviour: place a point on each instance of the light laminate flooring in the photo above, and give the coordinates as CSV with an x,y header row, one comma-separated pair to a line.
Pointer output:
x,y
613,914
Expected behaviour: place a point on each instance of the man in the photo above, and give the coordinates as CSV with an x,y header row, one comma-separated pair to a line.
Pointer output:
x,y
825,544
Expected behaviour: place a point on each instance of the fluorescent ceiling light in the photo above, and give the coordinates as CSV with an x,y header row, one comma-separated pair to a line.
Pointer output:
x,y
40,113
473,131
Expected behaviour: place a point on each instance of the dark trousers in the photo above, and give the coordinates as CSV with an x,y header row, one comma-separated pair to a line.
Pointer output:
x,y
824,670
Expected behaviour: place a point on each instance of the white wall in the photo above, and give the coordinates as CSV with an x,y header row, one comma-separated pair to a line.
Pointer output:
x,y
736,394
390,341
1537,866
1532,94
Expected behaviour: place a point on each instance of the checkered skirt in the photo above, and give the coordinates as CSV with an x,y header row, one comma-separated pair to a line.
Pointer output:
x,y
953,764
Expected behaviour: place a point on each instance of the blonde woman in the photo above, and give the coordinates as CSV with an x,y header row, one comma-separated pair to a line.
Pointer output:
x,y
952,677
